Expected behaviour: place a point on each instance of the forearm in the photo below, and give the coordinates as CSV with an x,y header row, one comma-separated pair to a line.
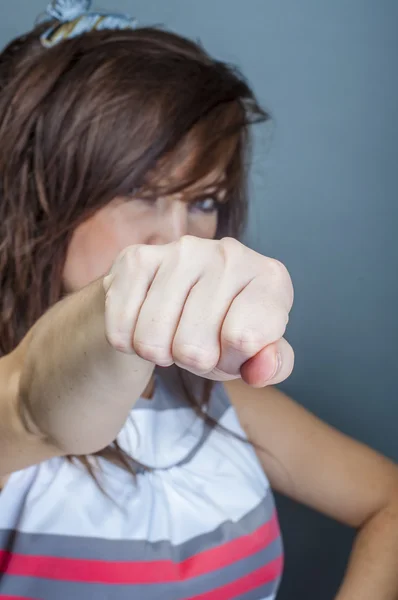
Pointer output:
x,y
75,388
373,567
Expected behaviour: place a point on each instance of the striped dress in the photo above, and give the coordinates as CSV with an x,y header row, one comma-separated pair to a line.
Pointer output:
x,y
201,525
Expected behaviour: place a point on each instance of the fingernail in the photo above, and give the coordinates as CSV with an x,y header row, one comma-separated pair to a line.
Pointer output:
x,y
278,365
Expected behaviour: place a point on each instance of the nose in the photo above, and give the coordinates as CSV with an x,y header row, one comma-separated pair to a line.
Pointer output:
x,y
171,222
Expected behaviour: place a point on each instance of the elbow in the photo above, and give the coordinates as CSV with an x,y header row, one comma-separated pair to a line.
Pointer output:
x,y
386,511
24,400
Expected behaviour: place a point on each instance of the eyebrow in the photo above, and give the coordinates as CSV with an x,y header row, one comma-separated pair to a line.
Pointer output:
x,y
218,185
196,190
215,189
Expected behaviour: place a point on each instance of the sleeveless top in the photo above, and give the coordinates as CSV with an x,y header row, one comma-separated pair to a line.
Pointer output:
x,y
200,525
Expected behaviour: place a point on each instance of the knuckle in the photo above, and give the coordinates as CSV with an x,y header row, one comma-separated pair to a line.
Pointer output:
x,y
277,269
280,273
229,247
186,242
195,358
183,250
136,255
275,323
250,340
125,261
243,340
156,354
118,340
231,242
280,276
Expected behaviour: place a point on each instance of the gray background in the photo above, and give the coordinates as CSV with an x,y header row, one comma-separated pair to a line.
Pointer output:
x,y
325,182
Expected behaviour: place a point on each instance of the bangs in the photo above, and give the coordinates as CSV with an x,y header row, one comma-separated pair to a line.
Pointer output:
x,y
208,156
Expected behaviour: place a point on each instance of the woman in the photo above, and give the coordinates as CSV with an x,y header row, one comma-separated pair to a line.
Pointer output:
x,y
122,169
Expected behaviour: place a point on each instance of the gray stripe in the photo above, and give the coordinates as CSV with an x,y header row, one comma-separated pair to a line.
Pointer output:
x,y
220,577
219,405
169,395
87,548
46,589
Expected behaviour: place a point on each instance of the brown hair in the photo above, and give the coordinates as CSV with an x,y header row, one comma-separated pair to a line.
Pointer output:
x,y
96,117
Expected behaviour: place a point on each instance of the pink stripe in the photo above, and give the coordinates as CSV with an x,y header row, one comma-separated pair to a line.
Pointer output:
x,y
245,584
2,597
135,572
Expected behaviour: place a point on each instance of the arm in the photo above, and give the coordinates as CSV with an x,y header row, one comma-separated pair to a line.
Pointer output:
x,y
307,460
58,388
70,385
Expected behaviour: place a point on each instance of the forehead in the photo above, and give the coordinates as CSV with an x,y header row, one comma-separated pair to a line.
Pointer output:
x,y
201,158
193,167
213,180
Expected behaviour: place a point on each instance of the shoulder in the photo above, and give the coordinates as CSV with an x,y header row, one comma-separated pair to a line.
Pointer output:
x,y
306,458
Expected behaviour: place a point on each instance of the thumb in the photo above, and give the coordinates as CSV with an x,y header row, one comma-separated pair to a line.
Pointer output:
x,y
271,365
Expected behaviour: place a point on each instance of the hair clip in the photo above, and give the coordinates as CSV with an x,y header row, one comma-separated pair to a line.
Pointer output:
x,y
75,20
68,10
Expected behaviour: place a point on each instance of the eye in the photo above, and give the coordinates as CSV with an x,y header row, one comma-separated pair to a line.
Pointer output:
x,y
207,204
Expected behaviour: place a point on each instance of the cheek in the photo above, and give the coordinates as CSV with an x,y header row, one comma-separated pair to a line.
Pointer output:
x,y
96,243
202,225
90,256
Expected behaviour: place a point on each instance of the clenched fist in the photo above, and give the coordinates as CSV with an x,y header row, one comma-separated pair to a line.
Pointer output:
x,y
215,308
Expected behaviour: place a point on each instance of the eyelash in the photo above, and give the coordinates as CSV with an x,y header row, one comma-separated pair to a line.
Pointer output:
x,y
196,204
198,201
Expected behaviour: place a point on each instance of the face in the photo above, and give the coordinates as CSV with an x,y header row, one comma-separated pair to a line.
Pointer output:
x,y
124,222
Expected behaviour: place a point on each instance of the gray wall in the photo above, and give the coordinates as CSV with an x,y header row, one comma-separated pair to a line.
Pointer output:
x,y
325,184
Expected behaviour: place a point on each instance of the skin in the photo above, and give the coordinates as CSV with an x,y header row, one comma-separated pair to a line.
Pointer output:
x,y
214,324
316,458
116,227
125,223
